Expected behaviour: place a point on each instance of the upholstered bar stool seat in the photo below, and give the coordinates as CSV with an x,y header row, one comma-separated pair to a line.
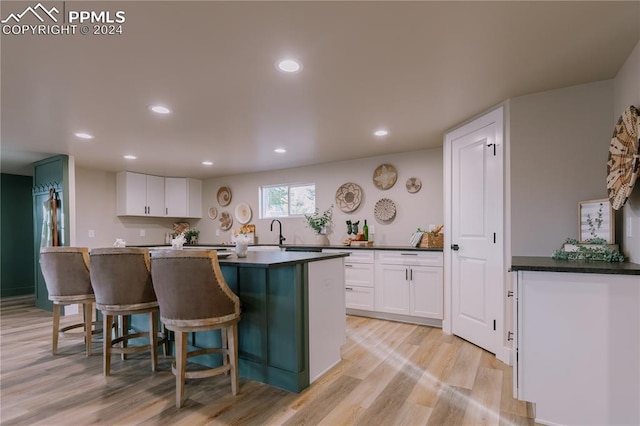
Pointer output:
x,y
122,283
66,275
194,296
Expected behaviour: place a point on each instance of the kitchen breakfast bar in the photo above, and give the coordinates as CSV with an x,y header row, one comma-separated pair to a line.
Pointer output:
x,y
293,319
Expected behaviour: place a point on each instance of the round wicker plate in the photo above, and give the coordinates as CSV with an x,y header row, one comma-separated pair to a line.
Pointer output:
x,y
623,165
413,185
225,221
243,213
348,197
385,176
224,196
213,213
385,210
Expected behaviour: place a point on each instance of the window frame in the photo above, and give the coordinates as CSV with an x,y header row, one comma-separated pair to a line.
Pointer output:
x,y
261,200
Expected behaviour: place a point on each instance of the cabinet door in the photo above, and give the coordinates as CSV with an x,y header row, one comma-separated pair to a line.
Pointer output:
x,y
155,196
131,194
426,292
392,293
175,191
194,199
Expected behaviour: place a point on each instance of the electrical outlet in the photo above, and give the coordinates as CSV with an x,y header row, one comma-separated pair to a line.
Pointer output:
x,y
629,228
142,233
92,233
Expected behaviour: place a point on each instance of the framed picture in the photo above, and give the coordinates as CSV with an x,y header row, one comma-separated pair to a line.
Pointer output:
x,y
596,220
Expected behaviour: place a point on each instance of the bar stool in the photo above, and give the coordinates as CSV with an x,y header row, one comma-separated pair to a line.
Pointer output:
x,y
194,296
122,283
66,275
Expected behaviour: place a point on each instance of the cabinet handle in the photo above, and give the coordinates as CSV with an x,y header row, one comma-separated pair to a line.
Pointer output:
x,y
348,266
411,274
349,288
408,254
166,211
406,275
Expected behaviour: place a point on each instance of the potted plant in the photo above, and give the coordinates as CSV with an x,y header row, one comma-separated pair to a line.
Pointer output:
x,y
319,223
192,236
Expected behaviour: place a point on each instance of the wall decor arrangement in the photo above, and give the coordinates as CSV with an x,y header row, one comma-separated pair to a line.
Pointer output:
x,y
385,210
225,221
623,164
212,213
385,176
224,196
413,185
243,213
348,197
596,221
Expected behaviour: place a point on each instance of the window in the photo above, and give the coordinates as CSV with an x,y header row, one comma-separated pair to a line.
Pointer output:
x,y
287,200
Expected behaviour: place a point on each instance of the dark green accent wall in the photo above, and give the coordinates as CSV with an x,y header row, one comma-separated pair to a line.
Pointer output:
x,y
16,235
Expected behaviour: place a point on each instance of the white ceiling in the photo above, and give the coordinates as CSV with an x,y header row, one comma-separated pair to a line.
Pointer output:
x,y
415,68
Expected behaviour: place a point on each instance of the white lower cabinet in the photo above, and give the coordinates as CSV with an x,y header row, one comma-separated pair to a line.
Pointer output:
x,y
404,286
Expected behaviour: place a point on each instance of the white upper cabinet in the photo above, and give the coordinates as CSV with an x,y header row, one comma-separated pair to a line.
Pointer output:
x,y
146,195
139,195
183,197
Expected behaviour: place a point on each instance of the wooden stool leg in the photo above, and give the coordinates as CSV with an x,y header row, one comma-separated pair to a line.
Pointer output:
x,y
233,357
153,339
181,365
124,330
56,328
225,345
88,322
108,321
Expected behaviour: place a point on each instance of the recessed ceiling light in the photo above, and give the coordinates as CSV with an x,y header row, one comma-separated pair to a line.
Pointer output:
x,y
289,65
381,132
280,150
83,135
159,109
130,157
207,163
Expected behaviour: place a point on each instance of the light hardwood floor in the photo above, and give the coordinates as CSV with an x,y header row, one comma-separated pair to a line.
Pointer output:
x,y
391,374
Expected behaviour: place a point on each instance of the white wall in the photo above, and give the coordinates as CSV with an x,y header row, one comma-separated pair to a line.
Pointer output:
x,y
413,210
96,203
559,147
96,210
626,91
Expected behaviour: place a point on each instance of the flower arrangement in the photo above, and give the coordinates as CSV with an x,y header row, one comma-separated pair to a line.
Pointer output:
x,y
318,222
192,236
592,249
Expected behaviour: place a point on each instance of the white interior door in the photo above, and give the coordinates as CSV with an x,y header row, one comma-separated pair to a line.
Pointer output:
x,y
475,152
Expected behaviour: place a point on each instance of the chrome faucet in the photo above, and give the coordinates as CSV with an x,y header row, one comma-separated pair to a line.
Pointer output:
x,y
280,237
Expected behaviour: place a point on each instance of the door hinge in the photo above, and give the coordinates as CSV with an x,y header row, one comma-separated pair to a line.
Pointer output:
x,y
494,325
509,336
494,148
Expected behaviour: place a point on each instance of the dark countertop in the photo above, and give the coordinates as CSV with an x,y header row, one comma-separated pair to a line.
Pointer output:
x,y
267,259
305,247
547,264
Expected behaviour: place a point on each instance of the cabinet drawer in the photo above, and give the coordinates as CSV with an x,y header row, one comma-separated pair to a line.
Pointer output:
x,y
359,274
357,297
410,258
355,256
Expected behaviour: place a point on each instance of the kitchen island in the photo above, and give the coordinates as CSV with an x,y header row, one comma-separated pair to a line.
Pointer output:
x,y
293,319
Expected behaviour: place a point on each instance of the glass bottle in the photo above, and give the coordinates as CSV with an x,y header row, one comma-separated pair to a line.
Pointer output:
x,y
365,230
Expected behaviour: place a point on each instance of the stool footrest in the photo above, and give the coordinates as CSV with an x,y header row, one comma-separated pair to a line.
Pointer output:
x,y
207,372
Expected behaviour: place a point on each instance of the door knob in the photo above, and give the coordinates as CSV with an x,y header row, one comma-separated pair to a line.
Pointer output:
x,y
455,247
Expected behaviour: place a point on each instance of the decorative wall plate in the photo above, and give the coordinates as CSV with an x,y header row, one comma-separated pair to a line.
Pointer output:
x,y
348,197
385,176
623,164
385,210
243,213
213,213
413,185
224,196
225,221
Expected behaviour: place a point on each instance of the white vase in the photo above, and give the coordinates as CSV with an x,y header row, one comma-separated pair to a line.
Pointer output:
x,y
322,240
241,248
